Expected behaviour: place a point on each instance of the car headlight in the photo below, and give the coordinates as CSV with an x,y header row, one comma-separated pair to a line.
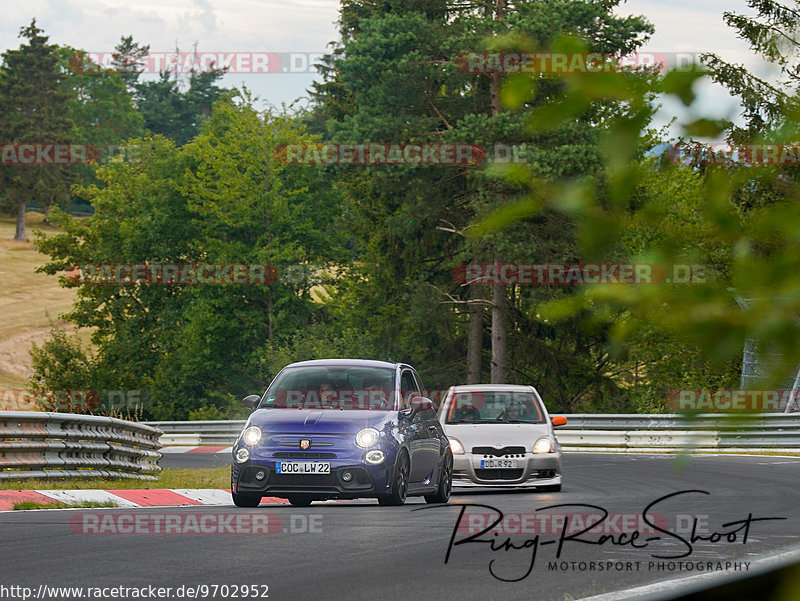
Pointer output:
x,y
367,437
242,455
251,436
456,446
543,445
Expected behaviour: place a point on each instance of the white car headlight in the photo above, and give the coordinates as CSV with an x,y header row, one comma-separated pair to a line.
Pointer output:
x,y
543,445
368,437
456,446
251,436
242,455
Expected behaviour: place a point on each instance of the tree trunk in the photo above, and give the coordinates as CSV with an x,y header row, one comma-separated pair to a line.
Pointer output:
x,y
475,338
20,234
47,209
499,338
269,320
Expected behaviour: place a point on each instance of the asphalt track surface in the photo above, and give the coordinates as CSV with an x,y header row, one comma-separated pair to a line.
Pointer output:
x,y
194,460
361,551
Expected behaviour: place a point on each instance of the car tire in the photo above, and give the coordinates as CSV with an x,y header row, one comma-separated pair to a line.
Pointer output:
x,y
399,483
300,500
241,499
550,488
442,495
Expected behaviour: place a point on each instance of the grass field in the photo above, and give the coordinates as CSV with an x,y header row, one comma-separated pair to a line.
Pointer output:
x,y
214,477
28,301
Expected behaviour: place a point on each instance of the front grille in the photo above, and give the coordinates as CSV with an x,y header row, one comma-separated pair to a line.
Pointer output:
x,y
302,480
296,455
296,445
498,452
498,474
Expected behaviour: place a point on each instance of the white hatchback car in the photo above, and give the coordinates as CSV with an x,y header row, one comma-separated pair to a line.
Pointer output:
x,y
501,436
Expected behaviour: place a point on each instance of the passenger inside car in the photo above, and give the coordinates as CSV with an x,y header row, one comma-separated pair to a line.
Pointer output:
x,y
466,414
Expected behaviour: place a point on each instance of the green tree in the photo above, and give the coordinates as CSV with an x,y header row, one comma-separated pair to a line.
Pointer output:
x,y
395,77
753,248
219,199
33,110
771,32
100,109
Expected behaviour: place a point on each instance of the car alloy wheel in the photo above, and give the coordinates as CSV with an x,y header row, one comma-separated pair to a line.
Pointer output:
x,y
445,482
399,485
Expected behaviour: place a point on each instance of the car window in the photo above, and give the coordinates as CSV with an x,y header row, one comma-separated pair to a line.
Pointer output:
x,y
420,386
494,406
408,388
331,387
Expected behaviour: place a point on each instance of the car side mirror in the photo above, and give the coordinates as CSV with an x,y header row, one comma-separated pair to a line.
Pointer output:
x,y
559,420
251,401
420,403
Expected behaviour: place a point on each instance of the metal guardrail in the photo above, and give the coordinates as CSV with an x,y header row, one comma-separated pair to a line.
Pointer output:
x,y
721,433
199,433
65,445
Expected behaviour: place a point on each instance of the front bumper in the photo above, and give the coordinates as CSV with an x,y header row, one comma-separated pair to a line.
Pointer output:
x,y
532,470
366,480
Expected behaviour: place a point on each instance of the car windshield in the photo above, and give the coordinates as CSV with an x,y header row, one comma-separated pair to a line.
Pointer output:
x,y
478,406
332,387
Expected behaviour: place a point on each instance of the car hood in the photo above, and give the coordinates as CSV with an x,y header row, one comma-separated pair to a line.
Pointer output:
x,y
319,421
496,435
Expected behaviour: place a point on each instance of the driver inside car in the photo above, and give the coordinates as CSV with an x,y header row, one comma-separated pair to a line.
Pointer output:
x,y
513,411
327,396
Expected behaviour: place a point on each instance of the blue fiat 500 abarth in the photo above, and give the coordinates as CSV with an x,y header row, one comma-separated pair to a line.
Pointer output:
x,y
342,429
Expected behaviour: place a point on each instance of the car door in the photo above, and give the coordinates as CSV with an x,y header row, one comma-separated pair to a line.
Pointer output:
x,y
416,433
432,435
438,439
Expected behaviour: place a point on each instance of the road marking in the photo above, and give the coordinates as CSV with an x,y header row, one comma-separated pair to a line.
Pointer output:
x,y
694,583
154,497
76,497
206,496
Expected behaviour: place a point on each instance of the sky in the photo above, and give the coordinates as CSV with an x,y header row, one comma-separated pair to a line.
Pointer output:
x,y
305,27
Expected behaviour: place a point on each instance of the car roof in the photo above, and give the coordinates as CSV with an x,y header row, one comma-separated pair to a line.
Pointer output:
x,y
350,362
490,387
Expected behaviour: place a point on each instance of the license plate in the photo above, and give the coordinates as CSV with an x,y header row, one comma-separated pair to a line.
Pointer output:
x,y
303,467
487,464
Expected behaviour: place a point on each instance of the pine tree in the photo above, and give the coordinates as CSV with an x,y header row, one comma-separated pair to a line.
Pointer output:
x,y
33,110
772,34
